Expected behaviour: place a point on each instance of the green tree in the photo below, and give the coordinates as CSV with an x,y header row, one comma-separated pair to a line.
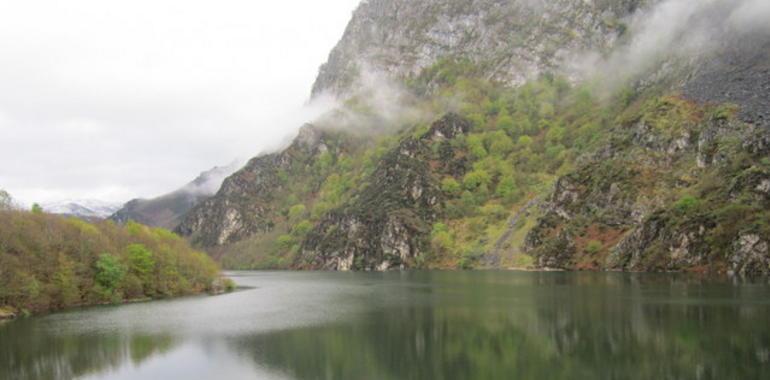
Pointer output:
x,y
109,271
505,121
450,186
525,141
285,241
36,209
302,228
319,209
297,211
476,146
476,179
140,261
506,189
65,282
501,144
441,238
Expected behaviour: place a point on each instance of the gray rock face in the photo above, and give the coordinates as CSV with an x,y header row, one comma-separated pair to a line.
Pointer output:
x,y
751,256
384,226
739,73
514,40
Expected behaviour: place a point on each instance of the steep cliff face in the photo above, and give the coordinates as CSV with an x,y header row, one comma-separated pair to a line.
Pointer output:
x,y
386,223
248,201
514,40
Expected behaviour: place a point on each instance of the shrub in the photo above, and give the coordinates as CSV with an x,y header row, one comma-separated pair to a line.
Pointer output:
x,y
686,203
285,241
450,186
475,179
297,211
594,246
302,228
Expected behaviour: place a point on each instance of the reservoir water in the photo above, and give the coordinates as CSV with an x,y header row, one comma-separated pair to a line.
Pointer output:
x,y
412,325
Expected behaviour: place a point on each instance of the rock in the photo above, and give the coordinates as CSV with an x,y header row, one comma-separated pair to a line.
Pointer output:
x,y
385,225
750,256
244,205
7,313
517,40
630,183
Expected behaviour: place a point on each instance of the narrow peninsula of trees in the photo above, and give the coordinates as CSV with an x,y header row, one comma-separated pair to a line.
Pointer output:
x,y
50,262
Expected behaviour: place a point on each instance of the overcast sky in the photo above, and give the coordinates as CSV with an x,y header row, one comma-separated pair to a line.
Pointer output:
x,y
119,99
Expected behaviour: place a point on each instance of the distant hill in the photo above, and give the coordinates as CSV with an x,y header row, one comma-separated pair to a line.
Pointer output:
x,y
166,210
82,208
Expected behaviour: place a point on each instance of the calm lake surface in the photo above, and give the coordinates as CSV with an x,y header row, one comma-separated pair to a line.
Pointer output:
x,y
412,325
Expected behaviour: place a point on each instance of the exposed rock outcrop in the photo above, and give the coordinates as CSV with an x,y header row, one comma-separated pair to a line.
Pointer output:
x,y
385,225
513,40
631,186
244,204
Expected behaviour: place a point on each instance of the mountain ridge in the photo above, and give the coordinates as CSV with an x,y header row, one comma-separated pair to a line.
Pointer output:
x,y
623,156
167,210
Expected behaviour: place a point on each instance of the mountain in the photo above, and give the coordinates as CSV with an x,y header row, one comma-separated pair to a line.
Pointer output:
x,y
578,135
166,210
512,41
82,208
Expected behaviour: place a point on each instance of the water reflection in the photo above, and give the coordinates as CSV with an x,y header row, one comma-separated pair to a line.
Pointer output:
x,y
568,326
418,325
30,351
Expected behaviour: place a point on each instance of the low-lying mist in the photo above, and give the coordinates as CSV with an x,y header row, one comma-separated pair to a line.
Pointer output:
x,y
673,30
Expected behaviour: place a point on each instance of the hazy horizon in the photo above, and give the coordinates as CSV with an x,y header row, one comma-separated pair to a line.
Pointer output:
x,y
113,101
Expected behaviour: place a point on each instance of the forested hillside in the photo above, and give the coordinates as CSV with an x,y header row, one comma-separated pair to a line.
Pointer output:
x,y
50,262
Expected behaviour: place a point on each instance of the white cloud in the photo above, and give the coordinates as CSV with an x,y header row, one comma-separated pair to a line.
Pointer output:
x,y
679,29
114,100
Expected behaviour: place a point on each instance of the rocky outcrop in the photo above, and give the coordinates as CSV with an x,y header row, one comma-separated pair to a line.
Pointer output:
x,y
751,256
634,185
7,314
244,205
385,224
513,40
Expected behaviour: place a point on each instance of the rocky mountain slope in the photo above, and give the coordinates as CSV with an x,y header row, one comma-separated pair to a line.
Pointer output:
x,y
385,223
513,40
653,158
167,210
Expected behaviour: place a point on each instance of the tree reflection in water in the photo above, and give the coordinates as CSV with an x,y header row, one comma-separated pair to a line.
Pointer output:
x,y
417,325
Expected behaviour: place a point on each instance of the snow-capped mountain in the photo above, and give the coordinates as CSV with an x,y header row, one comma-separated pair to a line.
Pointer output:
x,y
82,208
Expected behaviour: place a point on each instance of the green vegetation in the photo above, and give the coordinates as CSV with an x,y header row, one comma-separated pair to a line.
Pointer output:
x,y
686,203
49,262
521,140
593,247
